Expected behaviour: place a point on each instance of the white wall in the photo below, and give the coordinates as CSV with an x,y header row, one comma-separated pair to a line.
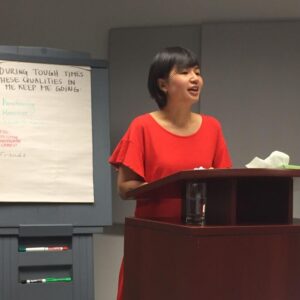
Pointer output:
x,y
83,25
252,84
108,253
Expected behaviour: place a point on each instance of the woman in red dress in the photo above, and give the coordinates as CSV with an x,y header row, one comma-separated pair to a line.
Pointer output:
x,y
168,140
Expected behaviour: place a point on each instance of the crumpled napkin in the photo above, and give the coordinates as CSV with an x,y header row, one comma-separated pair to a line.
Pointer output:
x,y
276,160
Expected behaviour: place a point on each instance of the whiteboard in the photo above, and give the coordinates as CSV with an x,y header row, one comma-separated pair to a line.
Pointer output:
x,y
45,133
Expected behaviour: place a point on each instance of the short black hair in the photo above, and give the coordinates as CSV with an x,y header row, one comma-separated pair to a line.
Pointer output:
x,y
164,61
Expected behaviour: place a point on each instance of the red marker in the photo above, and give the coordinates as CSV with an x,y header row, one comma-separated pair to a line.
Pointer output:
x,y
33,249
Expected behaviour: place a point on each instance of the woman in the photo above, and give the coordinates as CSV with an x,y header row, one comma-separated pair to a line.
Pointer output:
x,y
170,139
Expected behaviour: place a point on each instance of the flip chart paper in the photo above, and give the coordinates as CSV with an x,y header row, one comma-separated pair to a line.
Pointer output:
x,y
45,133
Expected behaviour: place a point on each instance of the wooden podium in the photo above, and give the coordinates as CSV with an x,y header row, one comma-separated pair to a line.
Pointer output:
x,y
249,249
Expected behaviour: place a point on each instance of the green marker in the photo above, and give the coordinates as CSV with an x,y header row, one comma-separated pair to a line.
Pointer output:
x,y
48,279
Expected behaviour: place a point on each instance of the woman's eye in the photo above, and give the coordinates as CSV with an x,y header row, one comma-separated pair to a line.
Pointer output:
x,y
197,72
189,71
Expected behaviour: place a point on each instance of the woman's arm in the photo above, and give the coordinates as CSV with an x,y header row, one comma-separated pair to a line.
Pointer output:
x,y
127,181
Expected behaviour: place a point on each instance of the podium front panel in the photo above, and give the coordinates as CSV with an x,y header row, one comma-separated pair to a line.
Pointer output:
x,y
169,261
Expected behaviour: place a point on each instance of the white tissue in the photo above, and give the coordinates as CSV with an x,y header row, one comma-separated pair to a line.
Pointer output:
x,y
199,168
276,160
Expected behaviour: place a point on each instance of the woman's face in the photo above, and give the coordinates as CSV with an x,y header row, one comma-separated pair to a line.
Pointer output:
x,y
183,84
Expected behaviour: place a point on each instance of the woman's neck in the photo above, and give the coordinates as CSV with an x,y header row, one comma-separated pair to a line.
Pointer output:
x,y
179,121
179,116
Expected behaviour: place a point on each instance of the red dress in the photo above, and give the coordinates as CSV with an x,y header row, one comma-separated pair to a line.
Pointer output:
x,y
153,152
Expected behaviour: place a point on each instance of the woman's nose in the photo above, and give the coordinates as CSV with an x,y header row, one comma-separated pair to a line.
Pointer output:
x,y
194,77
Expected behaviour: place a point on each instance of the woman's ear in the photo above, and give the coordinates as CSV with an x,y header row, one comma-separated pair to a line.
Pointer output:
x,y
163,85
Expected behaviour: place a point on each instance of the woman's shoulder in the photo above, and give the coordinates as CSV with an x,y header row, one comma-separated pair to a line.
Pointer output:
x,y
139,123
141,120
211,121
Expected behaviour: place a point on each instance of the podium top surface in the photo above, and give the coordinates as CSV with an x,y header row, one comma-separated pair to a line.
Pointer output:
x,y
175,181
